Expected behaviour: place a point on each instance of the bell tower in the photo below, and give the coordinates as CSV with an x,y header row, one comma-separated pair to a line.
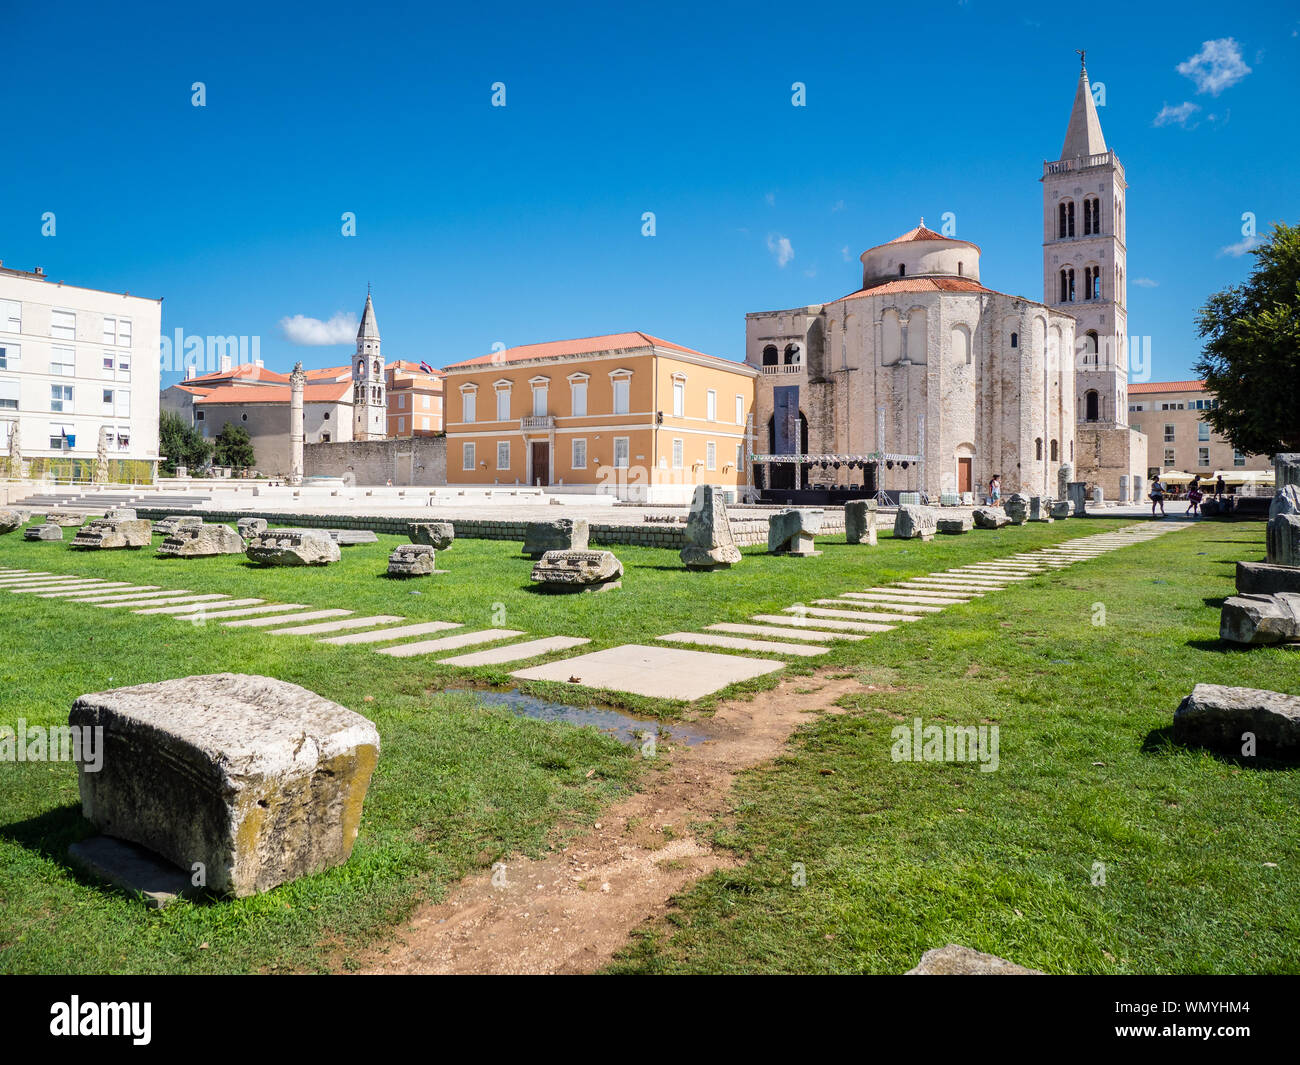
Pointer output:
x,y
369,407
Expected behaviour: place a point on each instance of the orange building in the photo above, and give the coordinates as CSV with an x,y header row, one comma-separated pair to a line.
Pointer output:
x,y
625,414
414,394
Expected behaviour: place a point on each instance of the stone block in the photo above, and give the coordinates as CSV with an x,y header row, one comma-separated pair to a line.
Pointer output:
x,y
307,547
578,571
1039,509
1077,493
105,533
173,522
1255,619
913,522
202,541
1283,531
259,780
122,514
436,534
1261,578
10,520
989,518
954,526
43,532
64,518
412,560
1060,509
1218,717
860,517
709,542
561,534
791,532
954,960
250,527
1286,469
1017,508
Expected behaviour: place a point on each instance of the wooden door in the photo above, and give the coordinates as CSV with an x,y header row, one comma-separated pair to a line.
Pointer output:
x,y
963,475
541,463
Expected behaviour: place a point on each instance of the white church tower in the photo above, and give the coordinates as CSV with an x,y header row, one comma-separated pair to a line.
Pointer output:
x,y
1084,259
369,407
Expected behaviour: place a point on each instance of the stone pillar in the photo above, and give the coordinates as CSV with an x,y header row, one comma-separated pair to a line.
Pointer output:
x,y
1063,475
1078,496
101,457
297,382
1123,488
1286,470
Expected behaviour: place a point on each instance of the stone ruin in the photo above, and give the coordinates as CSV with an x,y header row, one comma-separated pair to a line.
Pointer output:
x,y
989,518
578,571
303,547
791,531
953,526
172,522
1040,509
437,534
913,523
561,534
709,543
860,517
202,541
1060,509
1077,493
64,518
1251,618
259,780
1017,508
122,514
105,533
250,527
43,532
11,519
412,560
1267,606
1216,716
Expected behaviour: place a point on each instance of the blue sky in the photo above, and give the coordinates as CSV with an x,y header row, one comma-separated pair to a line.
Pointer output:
x,y
480,225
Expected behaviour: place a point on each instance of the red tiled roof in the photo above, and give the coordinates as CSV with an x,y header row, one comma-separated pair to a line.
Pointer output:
x,y
556,349
331,372
1145,388
242,373
326,392
918,284
919,233
406,366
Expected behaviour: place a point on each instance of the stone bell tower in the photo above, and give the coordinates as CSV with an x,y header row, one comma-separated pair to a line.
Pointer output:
x,y
369,407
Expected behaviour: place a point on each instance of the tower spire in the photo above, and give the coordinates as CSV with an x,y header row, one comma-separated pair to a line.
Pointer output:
x,y
1083,136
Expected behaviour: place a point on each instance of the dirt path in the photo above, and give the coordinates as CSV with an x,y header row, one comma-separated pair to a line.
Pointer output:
x,y
570,911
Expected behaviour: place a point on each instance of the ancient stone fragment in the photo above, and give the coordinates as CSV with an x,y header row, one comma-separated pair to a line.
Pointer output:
x,y
43,532
10,520
250,527
122,514
1060,509
953,526
1038,509
103,533
1286,469
1261,578
1283,531
709,543
64,518
1078,496
791,532
912,522
860,521
1220,718
1017,508
989,518
1261,618
437,534
562,534
578,571
173,522
257,780
411,560
202,541
307,547
954,960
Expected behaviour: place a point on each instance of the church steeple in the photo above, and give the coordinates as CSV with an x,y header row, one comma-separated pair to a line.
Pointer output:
x,y
369,329
369,413
1083,137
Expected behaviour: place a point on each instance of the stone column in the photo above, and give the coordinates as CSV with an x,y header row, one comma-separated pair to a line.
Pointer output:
x,y
101,457
297,381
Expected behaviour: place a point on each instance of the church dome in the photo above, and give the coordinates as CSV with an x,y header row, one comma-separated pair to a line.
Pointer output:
x,y
920,252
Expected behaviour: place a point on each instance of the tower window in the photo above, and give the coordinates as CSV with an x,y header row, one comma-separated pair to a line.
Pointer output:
x,y
770,355
1038,448
1065,219
959,270
902,270
1067,286
1015,340
1055,450
1091,216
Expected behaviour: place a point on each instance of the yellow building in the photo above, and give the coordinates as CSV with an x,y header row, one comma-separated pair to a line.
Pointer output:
x,y
1178,438
625,414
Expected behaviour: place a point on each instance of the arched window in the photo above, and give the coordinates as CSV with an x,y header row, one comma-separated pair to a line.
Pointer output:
x,y
1067,285
1090,401
375,366
1092,282
771,356
1065,219
1015,340
1038,448
1090,348
959,270
902,270
1091,216
791,354
361,366
1055,450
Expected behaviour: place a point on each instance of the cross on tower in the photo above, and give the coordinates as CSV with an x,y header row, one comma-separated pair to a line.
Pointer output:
x,y
1082,53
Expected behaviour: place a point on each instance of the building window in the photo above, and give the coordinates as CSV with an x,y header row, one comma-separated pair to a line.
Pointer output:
x,y
1169,433
902,270
1169,457
622,452
1065,219
61,398
1202,431
467,460
540,401
679,399
740,458
1067,286
679,453
467,406
740,410
1091,216
62,437
959,268
401,425
1136,427
771,357
63,325
1091,406
711,405
1015,340
8,401
579,454
117,331
198,415
10,357
108,401
1203,456
622,395
503,454
11,316
579,394
1238,459
401,402
710,455
1038,448
63,362
1055,450
792,355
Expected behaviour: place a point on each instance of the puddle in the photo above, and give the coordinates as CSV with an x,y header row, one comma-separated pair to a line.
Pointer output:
x,y
621,726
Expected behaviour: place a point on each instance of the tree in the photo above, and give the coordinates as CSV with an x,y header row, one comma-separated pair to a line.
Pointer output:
x,y
234,448
1251,359
180,444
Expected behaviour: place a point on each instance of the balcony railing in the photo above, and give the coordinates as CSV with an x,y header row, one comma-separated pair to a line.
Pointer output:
x,y
1062,166
787,367
535,422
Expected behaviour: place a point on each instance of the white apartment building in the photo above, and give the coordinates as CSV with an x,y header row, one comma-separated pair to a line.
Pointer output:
x,y
72,361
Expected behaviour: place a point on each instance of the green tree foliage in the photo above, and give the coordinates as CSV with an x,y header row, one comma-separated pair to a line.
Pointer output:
x,y
180,444
1251,358
234,448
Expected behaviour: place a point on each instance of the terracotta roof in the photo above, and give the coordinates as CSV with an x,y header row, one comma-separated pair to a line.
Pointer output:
x,y
330,372
919,233
556,349
406,366
244,372
1146,388
919,284
325,392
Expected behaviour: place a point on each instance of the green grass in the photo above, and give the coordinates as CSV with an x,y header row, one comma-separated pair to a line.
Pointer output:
x,y
891,867
901,857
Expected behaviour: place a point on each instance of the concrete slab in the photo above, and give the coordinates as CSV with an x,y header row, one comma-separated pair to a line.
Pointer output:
x,y
122,596
448,643
871,602
955,589
134,869
107,586
400,632
663,672
736,643
210,597
86,586
190,608
339,626
277,619
906,595
816,624
829,612
515,652
867,613
270,608
12,578
42,582
782,632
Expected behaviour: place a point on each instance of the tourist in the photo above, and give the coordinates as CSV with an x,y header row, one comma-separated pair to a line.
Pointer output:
x,y
1194,496
995,491
1219,489
1157,497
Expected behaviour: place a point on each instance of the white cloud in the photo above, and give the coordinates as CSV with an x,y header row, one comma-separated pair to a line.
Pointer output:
x,y
1241,247
844,251
1145,282
313,333
1217,66
781,248
1179,115
770,197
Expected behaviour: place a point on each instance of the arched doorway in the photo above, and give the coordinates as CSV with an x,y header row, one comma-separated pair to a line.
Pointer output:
x,y
1091,405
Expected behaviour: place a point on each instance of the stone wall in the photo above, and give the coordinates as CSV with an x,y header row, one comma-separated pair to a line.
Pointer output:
x,y
419,460
1105,454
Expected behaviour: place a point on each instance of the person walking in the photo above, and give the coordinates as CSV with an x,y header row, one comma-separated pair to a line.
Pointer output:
x,y
1194,497
995,491
1157,497
1219,489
